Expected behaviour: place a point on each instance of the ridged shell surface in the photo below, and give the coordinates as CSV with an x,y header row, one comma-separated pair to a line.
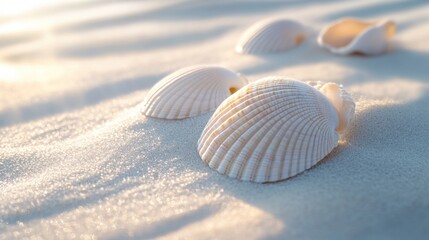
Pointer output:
x,y
191,91
272,35
350,35
270,130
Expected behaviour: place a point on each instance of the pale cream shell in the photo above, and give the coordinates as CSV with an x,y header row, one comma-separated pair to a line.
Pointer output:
x,y
270,130
351,35
272,35
191,91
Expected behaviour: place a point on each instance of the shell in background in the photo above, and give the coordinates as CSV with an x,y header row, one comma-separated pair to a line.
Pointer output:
x,y
273,129
191,91
343,103
271,36
349,36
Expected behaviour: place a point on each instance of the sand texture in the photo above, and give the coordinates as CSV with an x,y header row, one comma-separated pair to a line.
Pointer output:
x,y
79,161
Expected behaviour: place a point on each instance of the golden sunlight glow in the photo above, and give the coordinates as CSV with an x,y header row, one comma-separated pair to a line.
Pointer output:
x,y
9,8
8,73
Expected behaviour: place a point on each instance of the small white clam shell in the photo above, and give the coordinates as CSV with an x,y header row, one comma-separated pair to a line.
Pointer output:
x,y
272,35
350,35
191,91
343,103
273,129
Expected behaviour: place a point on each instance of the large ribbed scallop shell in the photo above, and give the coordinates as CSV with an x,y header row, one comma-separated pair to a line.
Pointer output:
x,y
350,35
270,130
191,91
273,35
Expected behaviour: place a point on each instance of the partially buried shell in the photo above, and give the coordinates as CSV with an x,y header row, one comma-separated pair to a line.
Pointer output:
x,y
350,35
191,91
275,128
272,35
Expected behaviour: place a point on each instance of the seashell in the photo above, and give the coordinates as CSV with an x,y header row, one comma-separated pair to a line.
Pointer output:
x,y
273,35
191,91
275,128
350,35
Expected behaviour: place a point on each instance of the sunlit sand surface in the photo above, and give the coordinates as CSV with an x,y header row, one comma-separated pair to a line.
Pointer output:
x,y
79,160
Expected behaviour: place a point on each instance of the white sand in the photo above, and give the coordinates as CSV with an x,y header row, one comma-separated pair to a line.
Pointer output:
x,y
78,160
